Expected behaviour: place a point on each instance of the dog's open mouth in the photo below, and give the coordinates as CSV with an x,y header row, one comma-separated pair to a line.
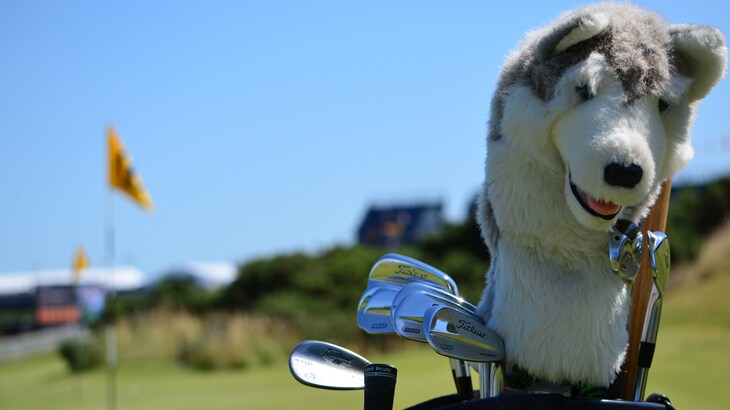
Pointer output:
x,y
595,207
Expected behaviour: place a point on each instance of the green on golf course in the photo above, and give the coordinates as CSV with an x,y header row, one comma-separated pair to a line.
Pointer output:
x,y
690,366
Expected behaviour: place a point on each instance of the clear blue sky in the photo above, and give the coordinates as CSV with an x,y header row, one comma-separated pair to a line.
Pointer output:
x,y
258,126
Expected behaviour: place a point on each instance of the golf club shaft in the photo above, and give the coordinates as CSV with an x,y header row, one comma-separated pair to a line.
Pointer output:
x,y
491,380
484,385
648,342
496,382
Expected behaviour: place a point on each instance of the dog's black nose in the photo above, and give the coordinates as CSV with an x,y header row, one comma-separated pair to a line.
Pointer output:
x,y
621,175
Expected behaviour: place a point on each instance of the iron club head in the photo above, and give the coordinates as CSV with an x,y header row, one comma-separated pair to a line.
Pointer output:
x,y
398,269
457,335
453,333
412,302
625,249
388,275
373,312
660,258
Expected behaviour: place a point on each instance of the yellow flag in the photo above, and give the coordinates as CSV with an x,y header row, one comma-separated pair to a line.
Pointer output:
x,y
81,262
121,174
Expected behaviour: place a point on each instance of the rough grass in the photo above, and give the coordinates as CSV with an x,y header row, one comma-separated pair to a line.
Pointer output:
x,y
44,383
714,257
692,358
215,341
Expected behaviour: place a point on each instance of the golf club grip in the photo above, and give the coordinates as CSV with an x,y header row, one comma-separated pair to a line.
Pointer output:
x,y
646,354
379,386
462,378
464,387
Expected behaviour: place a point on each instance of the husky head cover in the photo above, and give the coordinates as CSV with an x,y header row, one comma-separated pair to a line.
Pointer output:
x,y
591,113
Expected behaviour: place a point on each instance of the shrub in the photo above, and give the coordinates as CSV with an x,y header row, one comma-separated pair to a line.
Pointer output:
x,y
81,355
694,213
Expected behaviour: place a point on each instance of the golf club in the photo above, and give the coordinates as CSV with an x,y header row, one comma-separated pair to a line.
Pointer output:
x,y
394,270
327,366
373,312
625,249
454,334
659,257
411,303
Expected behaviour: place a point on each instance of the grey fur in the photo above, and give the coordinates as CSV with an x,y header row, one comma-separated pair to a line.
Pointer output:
x,y
631,30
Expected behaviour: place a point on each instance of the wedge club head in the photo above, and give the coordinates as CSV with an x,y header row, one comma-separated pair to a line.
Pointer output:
x,y
327,366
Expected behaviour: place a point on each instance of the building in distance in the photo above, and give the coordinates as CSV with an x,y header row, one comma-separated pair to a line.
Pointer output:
x,y
397,225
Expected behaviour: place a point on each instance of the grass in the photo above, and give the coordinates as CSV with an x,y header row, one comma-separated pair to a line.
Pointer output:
x,y
43,382
692,358
690,366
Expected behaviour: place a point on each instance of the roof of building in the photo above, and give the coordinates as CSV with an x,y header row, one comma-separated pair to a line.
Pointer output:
x,y
121,278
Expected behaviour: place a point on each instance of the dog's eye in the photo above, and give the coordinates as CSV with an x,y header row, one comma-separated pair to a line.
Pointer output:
x,y
663,105
583,92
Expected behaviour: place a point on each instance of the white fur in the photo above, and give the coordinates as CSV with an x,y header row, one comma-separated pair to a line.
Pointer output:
x,y
589,27
603,130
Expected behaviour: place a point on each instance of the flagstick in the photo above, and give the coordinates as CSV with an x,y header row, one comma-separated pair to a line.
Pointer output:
x,y
111,330
122,177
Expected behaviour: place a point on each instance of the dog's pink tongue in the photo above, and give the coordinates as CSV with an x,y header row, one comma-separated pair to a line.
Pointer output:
x,y
603,208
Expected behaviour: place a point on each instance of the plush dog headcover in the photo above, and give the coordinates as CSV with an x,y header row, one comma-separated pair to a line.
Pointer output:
x,y
590,115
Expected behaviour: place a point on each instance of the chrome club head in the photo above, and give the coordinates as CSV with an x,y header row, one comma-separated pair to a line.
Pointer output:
x,y
457,335
327,366
625,248
660,258
398,269
435,292
373,312
412,302
389,274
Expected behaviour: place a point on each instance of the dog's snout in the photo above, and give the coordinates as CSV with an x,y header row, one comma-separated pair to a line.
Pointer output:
x,y
622,175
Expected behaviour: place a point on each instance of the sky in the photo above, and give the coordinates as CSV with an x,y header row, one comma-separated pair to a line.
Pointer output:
x,y
258,127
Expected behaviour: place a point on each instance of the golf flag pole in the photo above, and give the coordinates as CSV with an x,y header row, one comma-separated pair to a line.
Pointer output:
x,y
122,177
110,331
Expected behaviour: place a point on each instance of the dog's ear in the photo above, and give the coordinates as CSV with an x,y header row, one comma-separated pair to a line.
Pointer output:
x,y
701,54
574,29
